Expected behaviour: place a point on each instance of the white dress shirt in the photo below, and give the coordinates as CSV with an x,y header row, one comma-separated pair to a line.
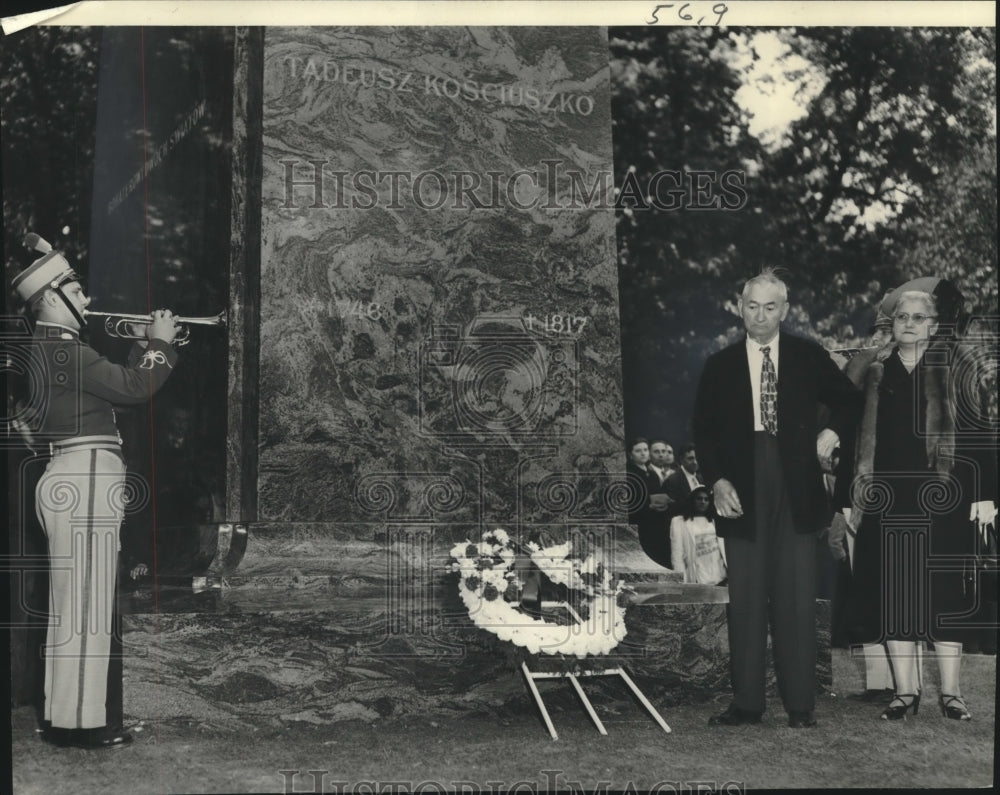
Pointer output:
x,y
693,481
756,361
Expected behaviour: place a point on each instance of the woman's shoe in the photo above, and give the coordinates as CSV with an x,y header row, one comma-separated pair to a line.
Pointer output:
x,y
898,707
954,707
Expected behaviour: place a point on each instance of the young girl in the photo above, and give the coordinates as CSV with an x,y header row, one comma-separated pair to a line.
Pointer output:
x,y
696,550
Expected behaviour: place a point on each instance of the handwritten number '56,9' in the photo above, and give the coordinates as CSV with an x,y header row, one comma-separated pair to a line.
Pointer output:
x,y
684,15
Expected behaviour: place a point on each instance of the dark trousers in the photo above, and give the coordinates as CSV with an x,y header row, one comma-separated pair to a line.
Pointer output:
x,y
654,538
772,580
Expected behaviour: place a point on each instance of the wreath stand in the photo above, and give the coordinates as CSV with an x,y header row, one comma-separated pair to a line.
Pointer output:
x,y
530,676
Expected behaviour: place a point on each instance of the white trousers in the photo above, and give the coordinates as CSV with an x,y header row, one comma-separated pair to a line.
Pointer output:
x,y
80,502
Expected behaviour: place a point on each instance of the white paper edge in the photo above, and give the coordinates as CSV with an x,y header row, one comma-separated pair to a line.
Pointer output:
x,y
22,21
877,13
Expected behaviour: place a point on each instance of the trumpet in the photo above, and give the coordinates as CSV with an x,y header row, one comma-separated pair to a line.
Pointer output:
x,y
119,325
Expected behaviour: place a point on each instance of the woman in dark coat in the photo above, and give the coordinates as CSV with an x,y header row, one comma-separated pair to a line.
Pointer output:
x,y
921,472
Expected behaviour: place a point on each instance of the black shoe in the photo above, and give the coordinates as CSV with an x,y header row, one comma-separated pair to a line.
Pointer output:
x,y
898,706
873,695
954,707
53,735
734,716
97,739
801,720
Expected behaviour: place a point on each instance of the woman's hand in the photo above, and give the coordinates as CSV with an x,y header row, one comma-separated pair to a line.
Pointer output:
x,y
827,443
837,538
984,514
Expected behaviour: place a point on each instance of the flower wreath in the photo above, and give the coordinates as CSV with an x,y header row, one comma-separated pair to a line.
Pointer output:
x,y
592,615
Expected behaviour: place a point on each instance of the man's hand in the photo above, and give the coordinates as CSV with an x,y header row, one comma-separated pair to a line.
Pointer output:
x,y
727,502
18,411
163,327
660,502
139,332
826,442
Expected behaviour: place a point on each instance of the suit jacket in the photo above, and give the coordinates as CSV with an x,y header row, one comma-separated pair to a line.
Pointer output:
x,y
664,481
677,487
724,427
642,484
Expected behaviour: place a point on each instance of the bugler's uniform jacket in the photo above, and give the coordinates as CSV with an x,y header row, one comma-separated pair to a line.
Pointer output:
x,y
82,386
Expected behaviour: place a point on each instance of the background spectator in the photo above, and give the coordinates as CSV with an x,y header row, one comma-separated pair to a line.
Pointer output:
x,y
661,459
685,480
650,514
697,550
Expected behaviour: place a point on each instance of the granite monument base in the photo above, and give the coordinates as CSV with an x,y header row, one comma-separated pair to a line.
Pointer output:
x,y
322,631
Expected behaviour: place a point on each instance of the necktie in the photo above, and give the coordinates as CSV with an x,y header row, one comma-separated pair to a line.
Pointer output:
x,y
768,393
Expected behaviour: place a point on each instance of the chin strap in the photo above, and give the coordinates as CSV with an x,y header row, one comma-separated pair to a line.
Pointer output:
x,y
73,310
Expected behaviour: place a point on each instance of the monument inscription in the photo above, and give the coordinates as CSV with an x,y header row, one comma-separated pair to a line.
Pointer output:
x,y
472,90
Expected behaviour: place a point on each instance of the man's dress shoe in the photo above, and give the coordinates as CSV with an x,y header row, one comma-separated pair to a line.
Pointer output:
x,y
53,735
734,716
90,739
801,720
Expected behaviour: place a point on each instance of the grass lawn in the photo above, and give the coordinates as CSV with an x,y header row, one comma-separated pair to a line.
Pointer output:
x,y
510,750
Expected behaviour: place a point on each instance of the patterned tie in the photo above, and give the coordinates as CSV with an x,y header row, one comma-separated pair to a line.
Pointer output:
x,y
768,393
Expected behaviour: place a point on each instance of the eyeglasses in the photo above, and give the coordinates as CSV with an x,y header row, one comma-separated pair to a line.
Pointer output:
x,y
918,318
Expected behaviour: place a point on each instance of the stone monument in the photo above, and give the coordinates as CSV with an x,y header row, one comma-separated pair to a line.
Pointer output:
x,y
439,316
438,339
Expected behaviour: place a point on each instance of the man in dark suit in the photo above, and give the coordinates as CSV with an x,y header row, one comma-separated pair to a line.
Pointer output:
x,y
684,480
761,450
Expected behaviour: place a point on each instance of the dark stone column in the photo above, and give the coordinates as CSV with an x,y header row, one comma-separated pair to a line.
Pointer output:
x,y
160,238
244,278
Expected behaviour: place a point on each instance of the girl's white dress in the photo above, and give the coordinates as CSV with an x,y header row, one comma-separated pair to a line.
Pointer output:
x,y
696,550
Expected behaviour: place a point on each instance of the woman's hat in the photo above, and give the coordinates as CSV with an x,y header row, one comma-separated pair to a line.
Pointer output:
x,y
883,317
948,298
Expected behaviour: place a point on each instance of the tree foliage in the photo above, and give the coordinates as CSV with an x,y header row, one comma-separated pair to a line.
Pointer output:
x,y
158,144
48,86
888,173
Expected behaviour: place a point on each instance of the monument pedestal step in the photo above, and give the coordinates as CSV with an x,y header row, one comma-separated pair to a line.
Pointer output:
x,y
270,656
322,623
